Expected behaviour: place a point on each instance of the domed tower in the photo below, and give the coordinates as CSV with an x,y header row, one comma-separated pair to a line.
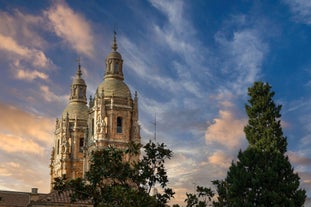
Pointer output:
x,y
70,130
113,118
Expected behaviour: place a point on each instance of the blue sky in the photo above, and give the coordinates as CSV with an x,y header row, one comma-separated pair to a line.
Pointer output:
x,y
190,61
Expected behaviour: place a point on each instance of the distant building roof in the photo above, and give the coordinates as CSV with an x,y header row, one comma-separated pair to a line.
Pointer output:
x,y
56,198
34,199
17,199
62,197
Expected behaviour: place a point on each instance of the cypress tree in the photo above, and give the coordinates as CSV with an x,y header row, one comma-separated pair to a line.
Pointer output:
x,y
263,175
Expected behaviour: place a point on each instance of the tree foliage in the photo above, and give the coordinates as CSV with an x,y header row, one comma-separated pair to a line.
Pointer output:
x,y
111,181
264,125
263,175
202,197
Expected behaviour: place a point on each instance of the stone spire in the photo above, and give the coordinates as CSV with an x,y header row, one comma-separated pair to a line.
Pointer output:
x,y
78,87
114,62
77,99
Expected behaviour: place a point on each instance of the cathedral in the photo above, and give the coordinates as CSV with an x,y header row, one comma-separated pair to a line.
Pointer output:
x,y
110,117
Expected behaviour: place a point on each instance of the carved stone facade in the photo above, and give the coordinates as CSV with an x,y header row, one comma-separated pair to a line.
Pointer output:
x,y
110,118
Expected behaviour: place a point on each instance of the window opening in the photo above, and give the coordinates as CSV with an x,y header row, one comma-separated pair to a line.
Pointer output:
x,y
119,125
93,126
58,146
116,67
81,143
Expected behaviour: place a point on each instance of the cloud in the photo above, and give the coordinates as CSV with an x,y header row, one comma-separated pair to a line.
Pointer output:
x,y
30,75
36,57
180,168
182,171
26,142
226,130
221,159
173,11
13,144
23,27
299,160
301,10
14,168
72,27
243,57
187,64
10,45
22,46
49,96
25,127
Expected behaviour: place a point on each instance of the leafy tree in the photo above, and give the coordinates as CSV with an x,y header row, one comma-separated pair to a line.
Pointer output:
x,y
263,175
201,198
111,181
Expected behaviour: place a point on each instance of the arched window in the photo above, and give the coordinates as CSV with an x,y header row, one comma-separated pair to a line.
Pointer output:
x,y
119,125
116,67
80,92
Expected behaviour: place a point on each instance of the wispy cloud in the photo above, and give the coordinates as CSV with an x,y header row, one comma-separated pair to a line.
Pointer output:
x,y
36,57
22,46
26,28
301,10
13,144
49,96
189,59
243,58
27,74
72,27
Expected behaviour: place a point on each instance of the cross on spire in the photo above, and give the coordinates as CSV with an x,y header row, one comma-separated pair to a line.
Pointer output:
x,y
79,73
114,44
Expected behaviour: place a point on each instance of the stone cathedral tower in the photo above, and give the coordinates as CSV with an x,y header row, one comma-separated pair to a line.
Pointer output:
x,y
111,118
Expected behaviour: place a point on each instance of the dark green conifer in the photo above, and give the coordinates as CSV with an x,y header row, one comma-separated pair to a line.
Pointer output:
x,y
263,175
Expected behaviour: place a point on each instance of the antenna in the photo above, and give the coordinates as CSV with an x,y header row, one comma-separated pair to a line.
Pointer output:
x,y
155,127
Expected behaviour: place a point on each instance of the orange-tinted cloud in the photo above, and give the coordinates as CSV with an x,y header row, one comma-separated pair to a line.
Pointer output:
x,y
23,46
36,57
297,159
26,145
226,130
23,124
49,96
221,159
71,27
15,144
30,75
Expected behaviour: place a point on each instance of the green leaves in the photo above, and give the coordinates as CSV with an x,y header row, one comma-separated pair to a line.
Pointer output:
x,y
201,198
111,181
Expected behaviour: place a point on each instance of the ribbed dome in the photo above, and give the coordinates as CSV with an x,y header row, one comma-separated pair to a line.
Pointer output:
x,y
76,110
114,87
78,81
114,55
